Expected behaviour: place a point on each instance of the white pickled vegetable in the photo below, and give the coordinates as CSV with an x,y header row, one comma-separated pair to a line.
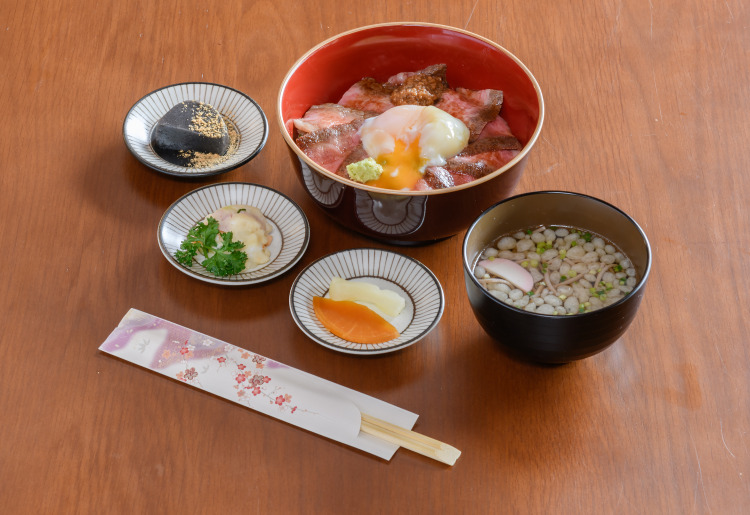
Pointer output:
x,y
387,301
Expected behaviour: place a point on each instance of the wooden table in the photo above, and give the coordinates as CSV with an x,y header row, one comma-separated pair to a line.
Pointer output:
x,y
647,108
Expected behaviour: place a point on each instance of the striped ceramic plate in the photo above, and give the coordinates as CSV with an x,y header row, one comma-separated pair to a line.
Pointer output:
x,y
386,269
240,110
290,235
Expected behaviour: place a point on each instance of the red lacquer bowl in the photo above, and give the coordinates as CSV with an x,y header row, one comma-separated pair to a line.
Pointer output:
x,y
404,217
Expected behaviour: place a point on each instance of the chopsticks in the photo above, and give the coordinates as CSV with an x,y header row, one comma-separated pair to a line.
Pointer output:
x,y
416,442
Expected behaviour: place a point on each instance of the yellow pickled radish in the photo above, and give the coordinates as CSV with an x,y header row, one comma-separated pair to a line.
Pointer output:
x,y
387,301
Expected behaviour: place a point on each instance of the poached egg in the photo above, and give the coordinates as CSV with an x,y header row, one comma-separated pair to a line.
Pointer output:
x,y
406,139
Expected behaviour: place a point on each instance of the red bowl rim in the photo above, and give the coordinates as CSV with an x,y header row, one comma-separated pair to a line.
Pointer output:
x,y
526,149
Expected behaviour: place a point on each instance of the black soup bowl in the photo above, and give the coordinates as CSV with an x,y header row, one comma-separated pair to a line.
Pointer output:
x,y
555,339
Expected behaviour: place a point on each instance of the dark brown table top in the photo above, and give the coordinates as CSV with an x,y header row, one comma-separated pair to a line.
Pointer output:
x,y
647,108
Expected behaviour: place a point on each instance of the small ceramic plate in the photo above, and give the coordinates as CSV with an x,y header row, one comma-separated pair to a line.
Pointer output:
x,y
240,110
290,235
388,270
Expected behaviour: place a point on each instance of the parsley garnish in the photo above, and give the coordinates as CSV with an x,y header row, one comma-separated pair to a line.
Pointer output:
x,y
222,258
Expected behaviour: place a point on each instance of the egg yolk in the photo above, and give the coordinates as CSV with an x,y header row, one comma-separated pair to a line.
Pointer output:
x,y
401,168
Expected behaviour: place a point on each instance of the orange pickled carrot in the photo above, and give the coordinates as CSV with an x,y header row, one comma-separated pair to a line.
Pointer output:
x,y
353,322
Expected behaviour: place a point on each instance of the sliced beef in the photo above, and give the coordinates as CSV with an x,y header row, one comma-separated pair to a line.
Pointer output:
x,y
438,177
422,185
484,156
289,126
435,70
478,159
461,178
367,95
490,145
423,87
475,108
327,115
358,154
329,147
497,127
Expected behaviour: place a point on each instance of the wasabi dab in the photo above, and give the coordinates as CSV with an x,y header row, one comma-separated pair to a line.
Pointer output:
x,y
365,170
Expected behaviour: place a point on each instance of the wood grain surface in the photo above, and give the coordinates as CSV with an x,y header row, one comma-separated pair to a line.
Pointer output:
x,y
647,108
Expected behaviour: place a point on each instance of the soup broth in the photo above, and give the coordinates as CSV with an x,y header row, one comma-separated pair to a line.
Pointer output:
x,y
573,270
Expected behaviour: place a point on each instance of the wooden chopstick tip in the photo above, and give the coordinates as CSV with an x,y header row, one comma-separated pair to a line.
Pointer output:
x,y
411,440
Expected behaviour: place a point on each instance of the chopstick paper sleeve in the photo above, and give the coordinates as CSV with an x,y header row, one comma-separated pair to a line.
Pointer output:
x,y
253,381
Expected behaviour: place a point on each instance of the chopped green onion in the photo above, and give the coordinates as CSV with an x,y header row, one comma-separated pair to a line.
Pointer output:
x,y
563,278
573,243
587,236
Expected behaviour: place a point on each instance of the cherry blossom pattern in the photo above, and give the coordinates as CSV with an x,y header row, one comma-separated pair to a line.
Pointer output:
x,y
187,350
258,379
233,360
188,375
